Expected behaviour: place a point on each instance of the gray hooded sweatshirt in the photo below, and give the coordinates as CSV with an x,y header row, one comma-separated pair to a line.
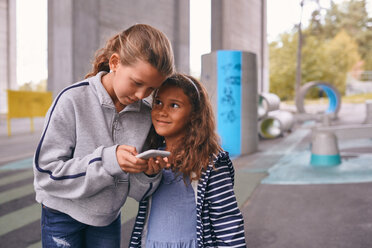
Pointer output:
x,y
75,166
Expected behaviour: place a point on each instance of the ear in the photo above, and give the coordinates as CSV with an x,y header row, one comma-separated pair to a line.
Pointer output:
x,y
114,62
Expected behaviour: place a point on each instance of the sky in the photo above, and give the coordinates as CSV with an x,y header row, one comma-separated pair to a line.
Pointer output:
x,y
282,15
31,24
200,41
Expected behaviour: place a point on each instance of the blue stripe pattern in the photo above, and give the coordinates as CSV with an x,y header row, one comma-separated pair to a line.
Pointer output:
x,y
95,160
219,220
37,154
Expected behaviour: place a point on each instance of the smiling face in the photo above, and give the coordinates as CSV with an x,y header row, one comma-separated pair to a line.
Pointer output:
x,y
171,112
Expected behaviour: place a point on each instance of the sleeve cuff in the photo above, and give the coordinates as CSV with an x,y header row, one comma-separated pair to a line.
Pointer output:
x,y
109,161
142,177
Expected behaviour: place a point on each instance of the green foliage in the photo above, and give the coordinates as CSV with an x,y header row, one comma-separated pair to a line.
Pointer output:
x,y
340,54
350,16
283,66
30,86
332,44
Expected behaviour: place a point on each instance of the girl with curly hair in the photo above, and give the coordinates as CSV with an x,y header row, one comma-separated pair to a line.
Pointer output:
x,y
195,204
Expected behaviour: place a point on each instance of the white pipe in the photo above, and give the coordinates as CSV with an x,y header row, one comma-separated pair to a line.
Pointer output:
x,y
275,124
267,102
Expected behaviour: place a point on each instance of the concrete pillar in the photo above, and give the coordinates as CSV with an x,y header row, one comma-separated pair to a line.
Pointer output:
x,y
77,28
170,16
241,25
231,81
7,50
368,118
60,45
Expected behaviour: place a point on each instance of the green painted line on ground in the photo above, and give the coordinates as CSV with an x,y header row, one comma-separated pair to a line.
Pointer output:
x,y
289,143
18,164
245,184
16,193
19,218
17,177
35,245
129,210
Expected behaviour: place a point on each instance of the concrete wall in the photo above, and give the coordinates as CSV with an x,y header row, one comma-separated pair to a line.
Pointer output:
x,y
77,28
355,86
7,50
241,25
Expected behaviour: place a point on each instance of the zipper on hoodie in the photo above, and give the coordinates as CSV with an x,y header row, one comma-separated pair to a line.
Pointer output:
x,y
114,126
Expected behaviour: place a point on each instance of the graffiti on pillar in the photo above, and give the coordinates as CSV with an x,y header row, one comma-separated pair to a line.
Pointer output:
x,y
231,87
229,99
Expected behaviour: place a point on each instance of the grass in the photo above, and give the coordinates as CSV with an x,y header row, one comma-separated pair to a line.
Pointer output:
x,y
360,98
357,98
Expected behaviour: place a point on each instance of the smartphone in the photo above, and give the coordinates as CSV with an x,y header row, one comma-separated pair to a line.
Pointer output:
x,y
153,154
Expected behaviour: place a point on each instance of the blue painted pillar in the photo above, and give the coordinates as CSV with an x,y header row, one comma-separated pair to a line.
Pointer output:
x,y
230,77
229,74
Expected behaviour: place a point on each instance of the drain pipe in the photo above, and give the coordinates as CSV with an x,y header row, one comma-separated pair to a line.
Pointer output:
x,y
267,102
331,92
275,124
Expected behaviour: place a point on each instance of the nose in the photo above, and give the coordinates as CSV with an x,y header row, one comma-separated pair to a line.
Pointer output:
x,y
160,110
142,93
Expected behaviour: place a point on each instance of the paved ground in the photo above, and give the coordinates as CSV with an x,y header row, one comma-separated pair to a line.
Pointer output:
x,y
282,214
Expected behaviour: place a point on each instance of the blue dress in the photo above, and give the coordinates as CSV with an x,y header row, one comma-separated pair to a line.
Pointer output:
x,y
172,220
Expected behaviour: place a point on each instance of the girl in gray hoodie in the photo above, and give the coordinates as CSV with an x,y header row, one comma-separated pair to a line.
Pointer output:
x,y
85,165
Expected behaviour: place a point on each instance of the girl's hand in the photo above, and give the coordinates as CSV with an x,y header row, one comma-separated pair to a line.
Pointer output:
x,y
155,165
125,156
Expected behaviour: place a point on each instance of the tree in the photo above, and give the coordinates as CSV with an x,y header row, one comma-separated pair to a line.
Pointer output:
x,y
282,56
350,16
328,52
340,54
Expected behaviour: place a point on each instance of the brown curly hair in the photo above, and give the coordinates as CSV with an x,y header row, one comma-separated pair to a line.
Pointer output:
x,y
201,142
139,42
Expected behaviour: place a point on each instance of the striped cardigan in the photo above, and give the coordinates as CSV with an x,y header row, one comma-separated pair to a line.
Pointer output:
x,y
219,220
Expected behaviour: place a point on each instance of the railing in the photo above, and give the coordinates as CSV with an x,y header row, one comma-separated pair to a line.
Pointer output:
x,y
365,76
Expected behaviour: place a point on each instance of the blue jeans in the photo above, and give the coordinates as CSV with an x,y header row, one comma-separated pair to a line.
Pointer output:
x,y
59,230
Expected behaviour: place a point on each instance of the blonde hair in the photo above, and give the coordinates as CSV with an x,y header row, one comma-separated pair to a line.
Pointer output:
x,y
139,42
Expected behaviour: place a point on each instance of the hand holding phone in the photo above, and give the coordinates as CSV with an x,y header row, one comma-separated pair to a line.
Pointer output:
x,y
153,154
